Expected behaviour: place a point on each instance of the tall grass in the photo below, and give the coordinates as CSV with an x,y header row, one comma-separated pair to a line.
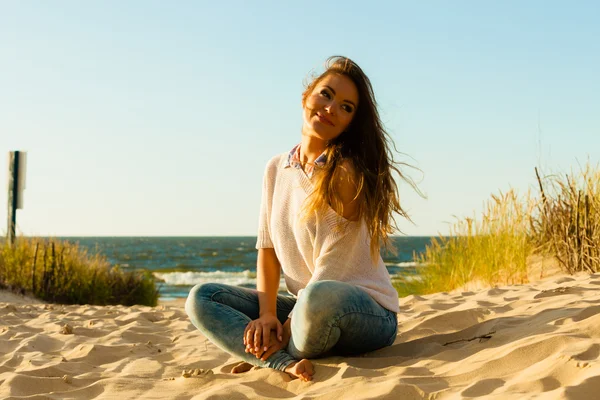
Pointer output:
x,y
567,223
562,221
62,272
492,249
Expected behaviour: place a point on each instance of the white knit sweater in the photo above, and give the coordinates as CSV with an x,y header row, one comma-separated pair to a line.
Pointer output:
x,y
323,247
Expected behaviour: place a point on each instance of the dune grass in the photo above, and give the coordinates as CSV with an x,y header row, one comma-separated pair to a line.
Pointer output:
x,y
62,272
562,221
567,223
492,249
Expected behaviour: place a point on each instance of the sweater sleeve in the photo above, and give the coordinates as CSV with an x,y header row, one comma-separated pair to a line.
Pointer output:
x,y
263,239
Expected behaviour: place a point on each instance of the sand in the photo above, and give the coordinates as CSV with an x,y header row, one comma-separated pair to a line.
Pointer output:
x,y
538,340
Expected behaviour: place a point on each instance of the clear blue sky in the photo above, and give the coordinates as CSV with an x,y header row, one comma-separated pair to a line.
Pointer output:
x,y
157,118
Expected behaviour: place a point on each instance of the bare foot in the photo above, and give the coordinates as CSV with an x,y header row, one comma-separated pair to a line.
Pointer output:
x,y
241,367
302,369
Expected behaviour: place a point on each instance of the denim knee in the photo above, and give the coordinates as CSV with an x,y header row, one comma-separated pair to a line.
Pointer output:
x,y
199,293
315,319
319,300
322,294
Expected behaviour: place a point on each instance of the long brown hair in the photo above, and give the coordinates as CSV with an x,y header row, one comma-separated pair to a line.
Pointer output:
x,y
369,147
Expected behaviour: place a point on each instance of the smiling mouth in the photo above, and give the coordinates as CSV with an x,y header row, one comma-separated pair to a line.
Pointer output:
x,y
324,120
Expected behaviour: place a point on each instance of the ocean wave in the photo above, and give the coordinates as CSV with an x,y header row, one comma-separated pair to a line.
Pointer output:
x,y
404,264
190,278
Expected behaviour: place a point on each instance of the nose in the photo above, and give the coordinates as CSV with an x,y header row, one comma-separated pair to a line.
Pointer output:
x,y
330,107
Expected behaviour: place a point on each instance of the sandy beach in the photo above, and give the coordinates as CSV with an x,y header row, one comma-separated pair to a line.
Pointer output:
x,y
539,340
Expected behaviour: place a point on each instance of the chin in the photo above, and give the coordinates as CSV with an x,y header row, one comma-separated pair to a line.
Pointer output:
x,y
323,133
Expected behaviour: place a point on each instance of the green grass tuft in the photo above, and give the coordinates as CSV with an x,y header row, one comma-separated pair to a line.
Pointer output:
x,y
493,250
62,272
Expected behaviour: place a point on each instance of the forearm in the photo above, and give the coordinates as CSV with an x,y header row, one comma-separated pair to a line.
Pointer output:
x,y
268,271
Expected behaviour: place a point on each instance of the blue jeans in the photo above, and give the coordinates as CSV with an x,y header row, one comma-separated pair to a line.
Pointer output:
x,y
330,318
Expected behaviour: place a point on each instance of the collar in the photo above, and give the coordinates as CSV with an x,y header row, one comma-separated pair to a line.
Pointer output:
x,y
293,160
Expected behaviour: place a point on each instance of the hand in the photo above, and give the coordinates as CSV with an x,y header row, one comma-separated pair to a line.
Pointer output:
x,y
258,333
276,345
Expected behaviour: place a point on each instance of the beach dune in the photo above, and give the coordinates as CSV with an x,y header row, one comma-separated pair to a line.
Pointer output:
x,y
523,341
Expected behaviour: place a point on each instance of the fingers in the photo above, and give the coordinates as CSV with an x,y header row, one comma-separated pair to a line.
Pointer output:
x,y
269,352
260,344
257,338
246,332
249,337
265,339
259,353
261,340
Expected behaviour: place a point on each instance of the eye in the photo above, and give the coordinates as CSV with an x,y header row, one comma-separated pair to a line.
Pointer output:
x,y
347,108
325,93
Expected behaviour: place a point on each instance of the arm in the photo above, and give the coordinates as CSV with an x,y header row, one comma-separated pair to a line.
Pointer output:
x,y
258,332
268,271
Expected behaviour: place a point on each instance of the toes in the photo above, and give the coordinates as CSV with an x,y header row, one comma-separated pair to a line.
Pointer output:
x,y
240,368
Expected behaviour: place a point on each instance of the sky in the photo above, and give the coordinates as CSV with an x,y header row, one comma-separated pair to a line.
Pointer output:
x,y
153,118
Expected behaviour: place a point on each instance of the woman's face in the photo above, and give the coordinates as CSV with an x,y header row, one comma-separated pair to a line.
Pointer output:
x,y
330,107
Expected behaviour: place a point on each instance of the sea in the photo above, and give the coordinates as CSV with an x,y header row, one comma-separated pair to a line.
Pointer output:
x,y
179,263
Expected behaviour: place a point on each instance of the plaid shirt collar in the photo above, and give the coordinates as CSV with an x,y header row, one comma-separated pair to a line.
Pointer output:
x,y
294,161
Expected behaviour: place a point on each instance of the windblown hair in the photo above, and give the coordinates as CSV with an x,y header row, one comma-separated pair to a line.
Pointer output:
x,y
367,145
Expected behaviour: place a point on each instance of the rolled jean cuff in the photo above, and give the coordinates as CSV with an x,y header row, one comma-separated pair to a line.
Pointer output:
x,y
280,360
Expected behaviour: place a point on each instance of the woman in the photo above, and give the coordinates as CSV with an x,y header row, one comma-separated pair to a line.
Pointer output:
x,y
327,207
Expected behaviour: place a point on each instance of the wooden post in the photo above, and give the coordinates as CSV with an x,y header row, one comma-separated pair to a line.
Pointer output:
x,y
13,193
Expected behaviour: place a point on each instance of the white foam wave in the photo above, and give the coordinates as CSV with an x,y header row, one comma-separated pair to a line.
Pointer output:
x,y
405,264
190,278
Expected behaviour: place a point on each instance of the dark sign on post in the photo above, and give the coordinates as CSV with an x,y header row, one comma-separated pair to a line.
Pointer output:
x,y
16,186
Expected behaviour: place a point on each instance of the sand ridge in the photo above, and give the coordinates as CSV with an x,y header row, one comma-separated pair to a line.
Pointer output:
x,y
523,341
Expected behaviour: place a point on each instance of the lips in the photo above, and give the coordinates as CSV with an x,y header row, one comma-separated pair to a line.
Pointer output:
x,y
324,119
